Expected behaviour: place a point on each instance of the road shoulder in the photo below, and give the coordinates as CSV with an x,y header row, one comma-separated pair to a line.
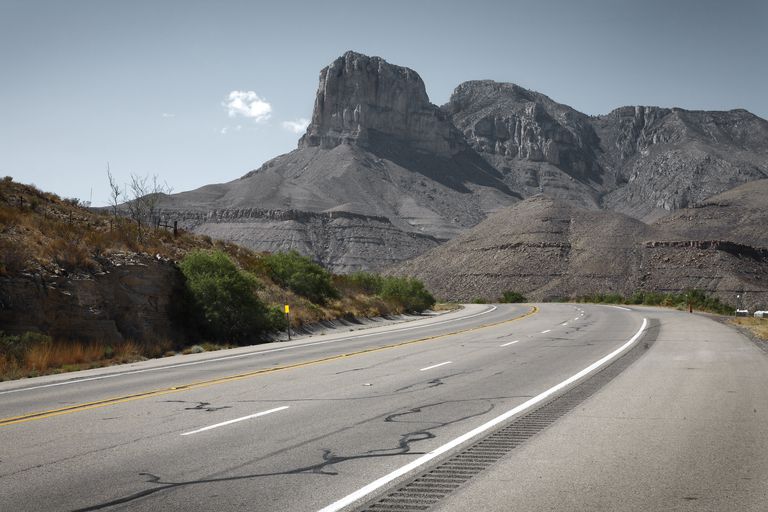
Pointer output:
x,y
682,429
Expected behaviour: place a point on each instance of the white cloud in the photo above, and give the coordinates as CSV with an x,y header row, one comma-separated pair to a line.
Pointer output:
x,y
224,130
247,104
297,126
167,115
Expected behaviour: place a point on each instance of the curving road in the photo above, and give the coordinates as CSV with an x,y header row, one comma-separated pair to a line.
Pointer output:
x,y
307,424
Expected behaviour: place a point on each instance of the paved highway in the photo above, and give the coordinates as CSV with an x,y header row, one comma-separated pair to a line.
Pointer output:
x,y
311,424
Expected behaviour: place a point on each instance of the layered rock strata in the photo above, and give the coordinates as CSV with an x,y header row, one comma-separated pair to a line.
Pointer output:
x,y
129,298
547,250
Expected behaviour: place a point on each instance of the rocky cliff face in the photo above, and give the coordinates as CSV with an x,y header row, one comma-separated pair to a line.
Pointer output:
x,y
521,125
360,97
132,297
667,159
643,161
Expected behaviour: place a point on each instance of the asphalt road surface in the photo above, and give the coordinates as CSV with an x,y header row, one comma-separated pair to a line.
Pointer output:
x,y
329,421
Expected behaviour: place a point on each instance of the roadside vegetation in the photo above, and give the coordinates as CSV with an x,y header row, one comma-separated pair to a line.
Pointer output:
x,y
402,293
757,326
697,299
510,297
30,354
233,296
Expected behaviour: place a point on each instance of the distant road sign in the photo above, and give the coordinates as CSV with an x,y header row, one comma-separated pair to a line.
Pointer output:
x,y
287,309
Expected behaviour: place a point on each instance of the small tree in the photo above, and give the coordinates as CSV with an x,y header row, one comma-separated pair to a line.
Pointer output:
x,y
115,193
225,297
136,206
144,198
408,292
153,196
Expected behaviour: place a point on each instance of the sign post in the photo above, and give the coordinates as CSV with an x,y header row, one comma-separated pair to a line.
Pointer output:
x,y
288,320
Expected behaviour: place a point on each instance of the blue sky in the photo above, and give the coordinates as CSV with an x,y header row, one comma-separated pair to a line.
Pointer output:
x,y
200,92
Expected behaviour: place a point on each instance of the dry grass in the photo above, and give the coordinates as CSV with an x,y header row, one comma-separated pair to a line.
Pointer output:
x,y
45,356
51,231
41,358
446,306
126,351
759,326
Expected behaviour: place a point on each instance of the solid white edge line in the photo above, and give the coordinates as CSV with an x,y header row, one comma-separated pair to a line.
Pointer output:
x,y
210,427
435,366
376,484
619,307
510,343
239,356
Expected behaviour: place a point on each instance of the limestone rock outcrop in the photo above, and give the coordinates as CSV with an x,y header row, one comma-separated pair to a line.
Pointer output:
x,y
642,161
131,297
360,98
667,159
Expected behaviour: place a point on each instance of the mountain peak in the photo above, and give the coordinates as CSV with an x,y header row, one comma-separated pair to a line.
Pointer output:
x,y
361,98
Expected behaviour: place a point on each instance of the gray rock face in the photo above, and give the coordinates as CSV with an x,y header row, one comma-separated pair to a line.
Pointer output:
x,y
643,161
358,95
517,124
132,297
667,159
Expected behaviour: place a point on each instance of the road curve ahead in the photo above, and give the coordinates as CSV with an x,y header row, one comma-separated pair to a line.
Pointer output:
x,y
333,422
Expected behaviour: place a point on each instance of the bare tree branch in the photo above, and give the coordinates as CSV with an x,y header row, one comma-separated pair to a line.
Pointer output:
x,y
115,192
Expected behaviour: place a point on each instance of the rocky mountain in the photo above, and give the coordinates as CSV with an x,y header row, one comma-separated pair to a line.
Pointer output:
x,y
538,145
667,159
382,174
549,249
642,161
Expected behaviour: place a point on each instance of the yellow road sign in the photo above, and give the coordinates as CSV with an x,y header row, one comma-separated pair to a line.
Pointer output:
x,y
287,309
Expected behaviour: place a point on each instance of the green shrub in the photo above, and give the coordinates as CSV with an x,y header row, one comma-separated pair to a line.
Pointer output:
x,y
613,298
366,282
409,293
224,296
276,318
697,298
404,293
301,275
512,297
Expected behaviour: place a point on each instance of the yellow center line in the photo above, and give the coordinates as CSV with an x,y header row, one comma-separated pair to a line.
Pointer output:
x,y
220,380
